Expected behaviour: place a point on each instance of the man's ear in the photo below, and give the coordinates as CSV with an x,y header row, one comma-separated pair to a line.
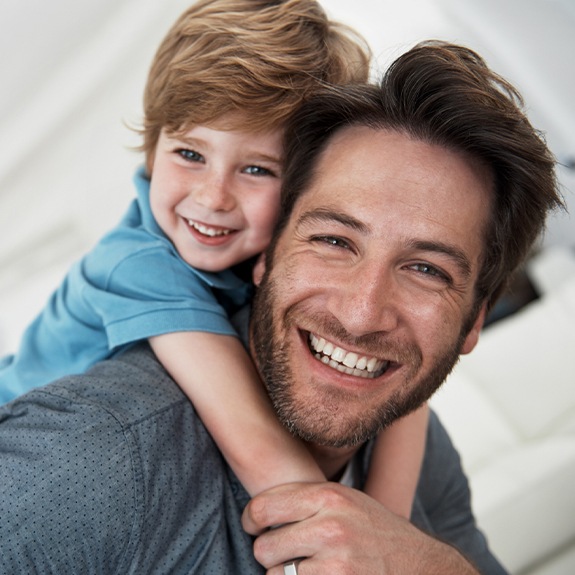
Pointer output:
x,y
259,269
473,335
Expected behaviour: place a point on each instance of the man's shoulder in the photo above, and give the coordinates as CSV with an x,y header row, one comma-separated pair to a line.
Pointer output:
x,y
96,462
132,385
72,465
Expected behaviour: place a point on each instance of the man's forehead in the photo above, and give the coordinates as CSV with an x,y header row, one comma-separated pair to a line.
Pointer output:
x,y
361,153
373,177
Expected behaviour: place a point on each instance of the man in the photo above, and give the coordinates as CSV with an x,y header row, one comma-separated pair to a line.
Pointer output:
x,y
406,209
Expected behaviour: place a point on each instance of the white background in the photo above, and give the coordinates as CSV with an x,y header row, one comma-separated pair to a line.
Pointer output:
x,y
72,74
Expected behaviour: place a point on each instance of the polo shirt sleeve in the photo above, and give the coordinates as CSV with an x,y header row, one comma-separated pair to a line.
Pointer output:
x,y
150,292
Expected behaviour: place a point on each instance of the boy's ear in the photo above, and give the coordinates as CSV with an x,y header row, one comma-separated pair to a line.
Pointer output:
x,y
259,269
473,335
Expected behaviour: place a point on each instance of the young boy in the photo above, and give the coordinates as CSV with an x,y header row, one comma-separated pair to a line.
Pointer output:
x,y
223,82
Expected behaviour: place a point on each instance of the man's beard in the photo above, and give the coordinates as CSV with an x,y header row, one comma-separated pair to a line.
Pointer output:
x,y
325,421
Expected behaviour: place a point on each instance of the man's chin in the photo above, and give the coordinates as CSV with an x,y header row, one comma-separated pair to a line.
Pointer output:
x,y
329,422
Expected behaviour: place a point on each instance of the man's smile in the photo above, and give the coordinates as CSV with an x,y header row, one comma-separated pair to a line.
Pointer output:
x,y
345,361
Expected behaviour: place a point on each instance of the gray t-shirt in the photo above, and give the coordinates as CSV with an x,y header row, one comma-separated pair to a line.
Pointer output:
x,y
112,472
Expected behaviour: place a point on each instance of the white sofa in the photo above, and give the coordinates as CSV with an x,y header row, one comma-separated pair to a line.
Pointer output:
x,y
510,408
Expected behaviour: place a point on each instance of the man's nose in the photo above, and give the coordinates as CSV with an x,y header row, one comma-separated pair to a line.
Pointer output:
x,y
215,192
367,301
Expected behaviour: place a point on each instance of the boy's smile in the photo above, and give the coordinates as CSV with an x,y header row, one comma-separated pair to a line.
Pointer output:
x,y
215,193
204,232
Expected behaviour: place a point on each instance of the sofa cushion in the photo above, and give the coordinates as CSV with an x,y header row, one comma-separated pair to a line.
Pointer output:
x,y
523,363
523,499
476,426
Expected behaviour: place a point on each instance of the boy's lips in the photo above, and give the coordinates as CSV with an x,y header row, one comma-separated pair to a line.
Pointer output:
x,y
208,230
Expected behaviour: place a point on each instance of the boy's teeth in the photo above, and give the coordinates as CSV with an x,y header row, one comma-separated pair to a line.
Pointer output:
x,y
208,231
345,361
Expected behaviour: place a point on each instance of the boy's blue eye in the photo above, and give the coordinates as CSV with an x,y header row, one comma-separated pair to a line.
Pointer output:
x,y
258,171
190,155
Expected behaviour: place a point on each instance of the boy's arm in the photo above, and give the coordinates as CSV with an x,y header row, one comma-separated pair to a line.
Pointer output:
x,y
218,376
396,462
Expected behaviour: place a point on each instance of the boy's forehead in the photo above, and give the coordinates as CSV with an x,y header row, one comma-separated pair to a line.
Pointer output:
x,y
234,121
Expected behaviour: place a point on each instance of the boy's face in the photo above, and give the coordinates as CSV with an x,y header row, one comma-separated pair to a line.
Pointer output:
x,y
215,193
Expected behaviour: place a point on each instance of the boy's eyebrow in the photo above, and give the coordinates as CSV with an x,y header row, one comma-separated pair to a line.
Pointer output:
x,y
326,215
262,156
192,142
257,155
185,139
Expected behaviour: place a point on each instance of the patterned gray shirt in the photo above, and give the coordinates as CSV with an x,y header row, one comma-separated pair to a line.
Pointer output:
x,y
112,472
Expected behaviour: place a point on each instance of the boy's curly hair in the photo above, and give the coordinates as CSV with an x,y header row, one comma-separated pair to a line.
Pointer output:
x,y
261,58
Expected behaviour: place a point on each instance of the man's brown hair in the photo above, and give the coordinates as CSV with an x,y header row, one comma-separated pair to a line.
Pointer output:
x,y
446,95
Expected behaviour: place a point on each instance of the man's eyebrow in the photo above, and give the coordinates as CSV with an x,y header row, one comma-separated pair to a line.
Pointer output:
x,y
454,253
328,215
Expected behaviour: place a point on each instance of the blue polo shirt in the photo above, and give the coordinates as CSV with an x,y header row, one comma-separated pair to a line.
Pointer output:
x,y
133,285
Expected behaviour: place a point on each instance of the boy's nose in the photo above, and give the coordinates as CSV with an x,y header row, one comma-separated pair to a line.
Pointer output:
x,y
215,193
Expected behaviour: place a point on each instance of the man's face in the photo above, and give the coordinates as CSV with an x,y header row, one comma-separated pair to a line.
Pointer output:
x,y
362,315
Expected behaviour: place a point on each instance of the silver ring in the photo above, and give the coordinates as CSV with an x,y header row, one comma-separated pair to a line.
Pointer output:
x,y
290,568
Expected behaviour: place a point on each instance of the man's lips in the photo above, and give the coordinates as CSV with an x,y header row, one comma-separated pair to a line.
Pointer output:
x,y
345,361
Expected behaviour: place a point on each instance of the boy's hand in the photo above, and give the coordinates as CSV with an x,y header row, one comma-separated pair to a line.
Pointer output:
x,y
341,530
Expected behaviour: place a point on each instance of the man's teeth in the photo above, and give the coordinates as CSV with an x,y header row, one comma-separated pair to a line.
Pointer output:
x,y
208,231
346,361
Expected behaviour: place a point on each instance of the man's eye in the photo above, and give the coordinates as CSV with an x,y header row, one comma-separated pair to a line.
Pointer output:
x,y
258,171
190,155
334,241
430,270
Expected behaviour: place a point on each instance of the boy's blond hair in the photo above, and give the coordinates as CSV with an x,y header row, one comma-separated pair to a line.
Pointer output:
x,y
260,58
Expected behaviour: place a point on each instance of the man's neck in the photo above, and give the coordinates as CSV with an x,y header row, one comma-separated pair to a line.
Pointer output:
x,y
332,460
